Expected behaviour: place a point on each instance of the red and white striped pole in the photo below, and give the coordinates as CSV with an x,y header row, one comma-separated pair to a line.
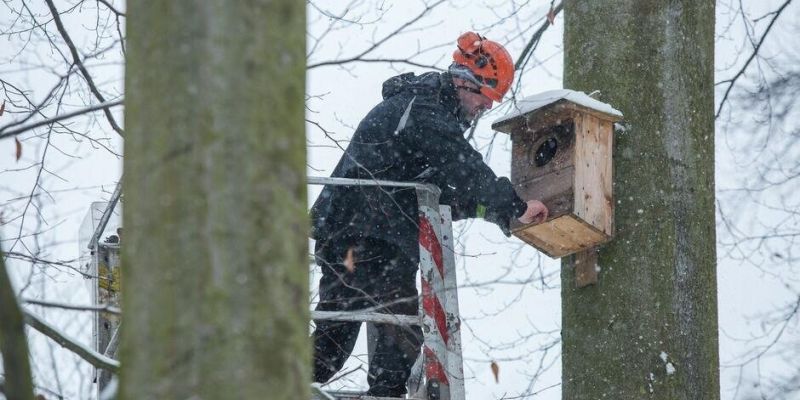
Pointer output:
x,y
434,321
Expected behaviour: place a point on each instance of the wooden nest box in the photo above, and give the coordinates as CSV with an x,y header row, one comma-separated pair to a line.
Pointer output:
x,y
561,155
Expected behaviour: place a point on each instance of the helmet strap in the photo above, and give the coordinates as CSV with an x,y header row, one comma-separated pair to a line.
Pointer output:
x,y
463,72
469,89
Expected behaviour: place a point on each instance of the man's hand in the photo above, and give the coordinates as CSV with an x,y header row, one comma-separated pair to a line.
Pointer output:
x,y
535,213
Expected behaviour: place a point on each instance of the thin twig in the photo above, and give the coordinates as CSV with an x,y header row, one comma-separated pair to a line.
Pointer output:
x,y
25,128
732,81
92,357
97,308
379,42
535,39
77,60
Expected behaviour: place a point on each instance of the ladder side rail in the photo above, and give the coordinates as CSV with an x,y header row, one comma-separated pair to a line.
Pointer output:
x,y
101,226
319,180
455,363
435,335
373,317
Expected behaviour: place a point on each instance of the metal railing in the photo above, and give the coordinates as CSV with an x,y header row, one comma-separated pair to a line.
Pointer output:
x,y
438,315
441,358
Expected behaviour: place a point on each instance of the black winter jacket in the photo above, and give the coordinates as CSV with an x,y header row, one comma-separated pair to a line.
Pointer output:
x,y
415,134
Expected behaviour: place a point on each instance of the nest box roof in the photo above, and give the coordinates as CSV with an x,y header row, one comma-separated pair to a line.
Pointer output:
x,y
541,100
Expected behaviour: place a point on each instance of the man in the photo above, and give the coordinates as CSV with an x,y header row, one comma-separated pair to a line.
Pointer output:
x,y
367,237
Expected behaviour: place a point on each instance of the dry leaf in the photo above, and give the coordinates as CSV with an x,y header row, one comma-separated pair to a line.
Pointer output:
x,y
2,108
551,16
19,148
349,261
496,372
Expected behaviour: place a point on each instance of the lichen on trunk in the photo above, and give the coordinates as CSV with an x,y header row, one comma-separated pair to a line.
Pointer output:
x,y
649,328
215,276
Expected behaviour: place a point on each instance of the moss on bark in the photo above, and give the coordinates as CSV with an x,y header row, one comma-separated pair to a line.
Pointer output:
x,y
215,201
649,328
13,343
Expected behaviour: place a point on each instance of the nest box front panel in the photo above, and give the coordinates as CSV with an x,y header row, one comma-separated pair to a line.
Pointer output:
x,y
566,164
543,166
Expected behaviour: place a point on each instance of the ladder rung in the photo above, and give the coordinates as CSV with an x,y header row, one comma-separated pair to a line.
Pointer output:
x,y
396,319
364,397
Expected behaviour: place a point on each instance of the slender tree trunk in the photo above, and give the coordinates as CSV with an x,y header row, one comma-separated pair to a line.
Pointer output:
x,y
13,344
215,246
648,330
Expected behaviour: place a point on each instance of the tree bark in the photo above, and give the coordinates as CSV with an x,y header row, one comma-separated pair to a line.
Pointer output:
x,y
215,278
648,329
13,343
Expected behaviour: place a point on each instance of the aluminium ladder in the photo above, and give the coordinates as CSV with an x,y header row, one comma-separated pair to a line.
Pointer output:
x,y
440,362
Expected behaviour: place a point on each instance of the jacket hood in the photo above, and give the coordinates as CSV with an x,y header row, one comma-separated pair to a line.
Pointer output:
x,y
437,85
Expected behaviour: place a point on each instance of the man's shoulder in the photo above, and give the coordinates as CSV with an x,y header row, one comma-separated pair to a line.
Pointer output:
x,y
418,106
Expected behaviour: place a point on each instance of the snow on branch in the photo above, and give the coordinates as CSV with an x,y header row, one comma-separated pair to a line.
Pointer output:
x,y
92,357
99,307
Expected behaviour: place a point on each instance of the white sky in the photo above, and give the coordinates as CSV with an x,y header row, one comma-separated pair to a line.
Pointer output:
x,y
527,298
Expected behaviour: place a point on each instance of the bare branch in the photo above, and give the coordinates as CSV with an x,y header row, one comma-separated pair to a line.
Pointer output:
x,y
77,60
92,357
113,9
732,81
97,308
523,58
528,50
25,128
379,42
65,264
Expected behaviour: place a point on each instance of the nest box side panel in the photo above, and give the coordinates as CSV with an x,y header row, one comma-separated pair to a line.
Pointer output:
x,y
594,201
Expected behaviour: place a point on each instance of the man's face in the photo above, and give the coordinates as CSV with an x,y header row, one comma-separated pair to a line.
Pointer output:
x,y
472,101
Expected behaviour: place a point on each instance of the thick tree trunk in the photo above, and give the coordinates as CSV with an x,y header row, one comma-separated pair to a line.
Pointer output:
x,y
215,246
13,344
649,328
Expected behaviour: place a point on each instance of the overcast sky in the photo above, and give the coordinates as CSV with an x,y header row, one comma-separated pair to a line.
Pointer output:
x,y
510,296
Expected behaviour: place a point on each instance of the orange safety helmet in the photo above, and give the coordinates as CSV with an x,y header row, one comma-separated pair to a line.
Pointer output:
x,y
488,61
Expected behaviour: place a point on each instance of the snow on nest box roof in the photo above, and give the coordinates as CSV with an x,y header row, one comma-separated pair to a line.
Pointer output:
x,y
538,101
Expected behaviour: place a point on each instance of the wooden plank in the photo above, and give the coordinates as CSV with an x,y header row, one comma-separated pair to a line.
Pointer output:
x,y
554,190
529,123
593,186
580,233
568,105
607,175
561,236
524,150
548,115
530,236
586,267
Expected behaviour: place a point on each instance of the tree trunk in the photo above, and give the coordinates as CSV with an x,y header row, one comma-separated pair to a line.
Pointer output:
x,y
648,329
13,344
215,247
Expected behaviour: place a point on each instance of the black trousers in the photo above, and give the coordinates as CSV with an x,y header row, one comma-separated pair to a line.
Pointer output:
x,y
385,278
